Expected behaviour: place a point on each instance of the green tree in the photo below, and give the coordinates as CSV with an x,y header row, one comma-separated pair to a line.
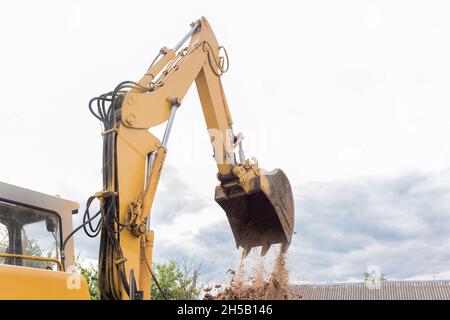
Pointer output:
x,y
178,281
31,248
371,277
90,273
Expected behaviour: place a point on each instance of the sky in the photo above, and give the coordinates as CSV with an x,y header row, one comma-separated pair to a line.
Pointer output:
x,y
350,98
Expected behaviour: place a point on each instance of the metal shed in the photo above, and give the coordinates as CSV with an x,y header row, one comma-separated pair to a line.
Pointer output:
x,y
386,290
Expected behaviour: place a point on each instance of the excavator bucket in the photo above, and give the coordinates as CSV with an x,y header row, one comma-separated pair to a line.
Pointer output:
x,y
262,216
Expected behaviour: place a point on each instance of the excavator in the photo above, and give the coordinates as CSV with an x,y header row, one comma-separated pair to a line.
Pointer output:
x,y
37,250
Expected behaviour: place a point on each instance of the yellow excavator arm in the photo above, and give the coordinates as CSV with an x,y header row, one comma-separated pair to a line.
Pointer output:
x,y
258,204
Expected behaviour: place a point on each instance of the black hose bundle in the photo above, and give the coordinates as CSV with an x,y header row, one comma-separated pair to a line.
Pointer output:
x,y
111,259
111,265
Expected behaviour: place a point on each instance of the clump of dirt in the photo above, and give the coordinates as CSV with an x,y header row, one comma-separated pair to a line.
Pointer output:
x,y
278,288
257,287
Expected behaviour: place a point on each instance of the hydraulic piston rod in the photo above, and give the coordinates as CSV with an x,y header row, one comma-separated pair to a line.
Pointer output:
x,y
195,28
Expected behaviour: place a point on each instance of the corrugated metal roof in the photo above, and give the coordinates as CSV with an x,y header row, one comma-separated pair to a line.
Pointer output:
x,y
386,290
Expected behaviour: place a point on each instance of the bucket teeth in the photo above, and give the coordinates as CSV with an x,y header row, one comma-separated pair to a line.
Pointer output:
x,y
264,249
245,252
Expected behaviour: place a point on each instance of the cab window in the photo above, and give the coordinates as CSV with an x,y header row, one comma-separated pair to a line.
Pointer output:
x,y
28,232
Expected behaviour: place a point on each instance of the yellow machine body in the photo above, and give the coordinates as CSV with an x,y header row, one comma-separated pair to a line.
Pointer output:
x,y
23,283
258,203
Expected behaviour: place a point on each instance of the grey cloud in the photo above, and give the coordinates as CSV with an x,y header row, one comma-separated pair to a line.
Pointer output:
x,y
175,197
215,249
400,224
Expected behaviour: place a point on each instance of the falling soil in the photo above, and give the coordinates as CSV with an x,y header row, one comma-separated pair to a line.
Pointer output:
x,y
256,287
